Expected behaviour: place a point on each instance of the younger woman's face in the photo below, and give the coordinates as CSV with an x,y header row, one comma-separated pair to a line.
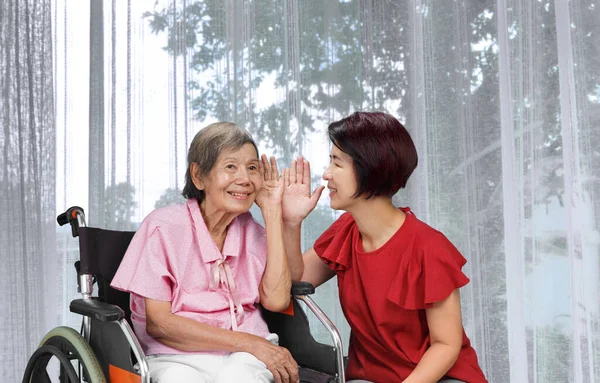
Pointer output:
x,y
341,179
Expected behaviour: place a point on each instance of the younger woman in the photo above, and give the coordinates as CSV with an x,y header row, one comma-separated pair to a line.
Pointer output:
x,y
398,278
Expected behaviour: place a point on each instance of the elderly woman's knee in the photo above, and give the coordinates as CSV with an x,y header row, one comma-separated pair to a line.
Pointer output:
x,y
175,372
244,374
244,367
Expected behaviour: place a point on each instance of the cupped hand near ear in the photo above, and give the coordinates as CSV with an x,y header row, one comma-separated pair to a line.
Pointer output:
x,y
270,195
298,201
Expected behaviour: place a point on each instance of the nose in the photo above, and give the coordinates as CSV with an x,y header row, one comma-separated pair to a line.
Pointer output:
x,y
327,174
243,178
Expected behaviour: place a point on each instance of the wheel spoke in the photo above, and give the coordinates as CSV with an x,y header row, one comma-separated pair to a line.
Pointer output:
x,y
67,345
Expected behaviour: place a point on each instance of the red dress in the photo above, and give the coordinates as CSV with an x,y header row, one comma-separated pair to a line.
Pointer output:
x,y
384,294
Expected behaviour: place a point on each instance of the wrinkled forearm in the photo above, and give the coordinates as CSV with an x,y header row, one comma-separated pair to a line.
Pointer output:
x,y
189,335
276,283
291,236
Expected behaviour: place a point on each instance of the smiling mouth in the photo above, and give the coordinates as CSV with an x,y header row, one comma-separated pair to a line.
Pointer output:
x,y
239,195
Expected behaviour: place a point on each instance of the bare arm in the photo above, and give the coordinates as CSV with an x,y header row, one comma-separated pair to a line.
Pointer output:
x,y
276,283
315,270
189,335
445,330
306,267
291,235
297,203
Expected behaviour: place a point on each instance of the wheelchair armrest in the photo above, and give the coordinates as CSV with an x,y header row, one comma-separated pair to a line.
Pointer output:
x,y
302,288
96,309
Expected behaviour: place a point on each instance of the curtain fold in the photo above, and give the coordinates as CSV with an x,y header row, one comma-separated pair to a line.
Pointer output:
x,y
502,99
578,139
512,204
27,181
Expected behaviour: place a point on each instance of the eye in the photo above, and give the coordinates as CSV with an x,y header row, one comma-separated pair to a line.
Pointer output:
x,y
253,167
230,166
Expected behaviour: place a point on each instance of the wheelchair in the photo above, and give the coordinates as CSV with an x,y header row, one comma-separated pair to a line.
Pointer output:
x,y
107,350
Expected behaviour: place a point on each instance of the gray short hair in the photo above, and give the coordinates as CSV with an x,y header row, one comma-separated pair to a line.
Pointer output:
x,y
206,147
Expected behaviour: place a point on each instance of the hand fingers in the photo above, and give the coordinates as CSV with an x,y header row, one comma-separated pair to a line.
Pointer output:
x,y
285,376
317,193
294,376
282,365
299,169
293,172
290,371
306,173
285,173
276,376
268,168
274,171
293,372
264,171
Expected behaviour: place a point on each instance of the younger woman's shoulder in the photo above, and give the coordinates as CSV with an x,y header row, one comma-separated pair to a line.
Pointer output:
x,y
335,244
345,220
427,236
430,245
430,271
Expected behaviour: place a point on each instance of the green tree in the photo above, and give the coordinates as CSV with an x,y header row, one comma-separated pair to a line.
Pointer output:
x,y
328,66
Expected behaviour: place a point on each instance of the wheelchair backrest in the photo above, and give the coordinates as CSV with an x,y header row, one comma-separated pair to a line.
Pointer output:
x,y
101,252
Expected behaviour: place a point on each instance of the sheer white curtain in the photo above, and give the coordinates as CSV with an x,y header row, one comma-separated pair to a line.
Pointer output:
x,y
27,182
501,97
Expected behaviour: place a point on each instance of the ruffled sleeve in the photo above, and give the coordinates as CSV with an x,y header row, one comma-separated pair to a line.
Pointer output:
x,y
429,275
145,268
334,246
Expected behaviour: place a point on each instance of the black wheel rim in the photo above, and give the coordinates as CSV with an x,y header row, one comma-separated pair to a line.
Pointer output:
x,y
36,367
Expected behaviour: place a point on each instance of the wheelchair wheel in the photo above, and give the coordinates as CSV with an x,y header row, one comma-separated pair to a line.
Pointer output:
x,y
66,345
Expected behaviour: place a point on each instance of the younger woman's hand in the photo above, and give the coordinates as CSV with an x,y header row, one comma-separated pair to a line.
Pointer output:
x,y
298,201
270,195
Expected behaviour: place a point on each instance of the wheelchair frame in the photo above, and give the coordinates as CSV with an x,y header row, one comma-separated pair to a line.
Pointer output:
x,y
65,343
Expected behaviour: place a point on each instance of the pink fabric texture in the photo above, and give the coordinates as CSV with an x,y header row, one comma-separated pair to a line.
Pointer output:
x,y
172,257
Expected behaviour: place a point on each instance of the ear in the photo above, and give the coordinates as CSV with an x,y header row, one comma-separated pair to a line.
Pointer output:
x,y
196,178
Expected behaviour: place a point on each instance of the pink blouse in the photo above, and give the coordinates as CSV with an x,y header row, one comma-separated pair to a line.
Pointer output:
x,y
172,257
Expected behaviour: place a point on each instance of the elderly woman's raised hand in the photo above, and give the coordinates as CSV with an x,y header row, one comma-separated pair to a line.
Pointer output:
x,y
298,201
270,194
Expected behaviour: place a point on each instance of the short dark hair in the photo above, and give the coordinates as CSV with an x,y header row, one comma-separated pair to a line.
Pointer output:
x,y
206,147
383,152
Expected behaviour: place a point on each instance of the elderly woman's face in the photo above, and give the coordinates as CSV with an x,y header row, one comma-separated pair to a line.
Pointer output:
x,y
232,184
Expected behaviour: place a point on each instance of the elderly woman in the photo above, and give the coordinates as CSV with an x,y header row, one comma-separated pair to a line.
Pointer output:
x,y
197,271
398,278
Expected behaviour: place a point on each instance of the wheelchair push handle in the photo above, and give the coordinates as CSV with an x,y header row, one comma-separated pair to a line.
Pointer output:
x,y
74,216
